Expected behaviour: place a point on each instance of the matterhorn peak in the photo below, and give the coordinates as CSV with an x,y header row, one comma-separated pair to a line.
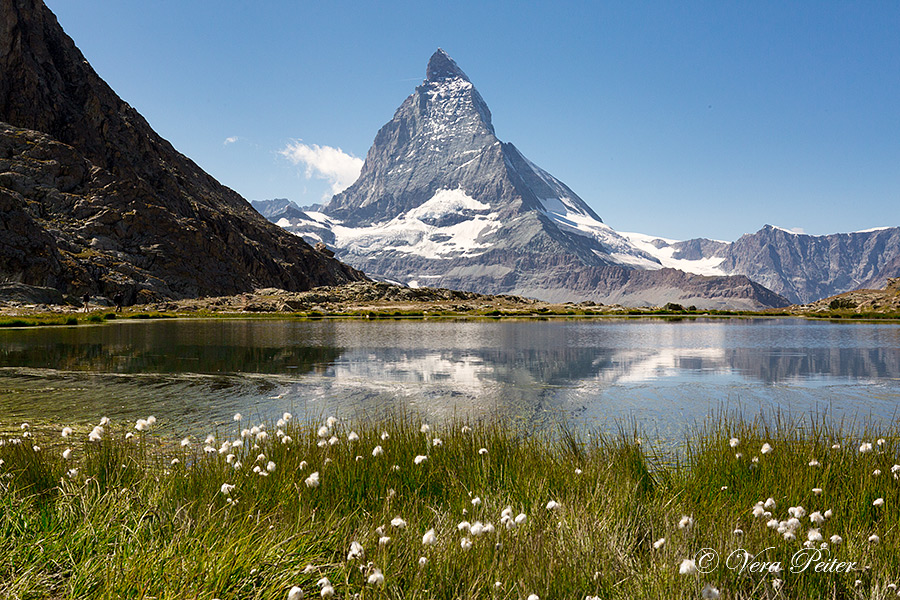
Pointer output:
x,y
441,66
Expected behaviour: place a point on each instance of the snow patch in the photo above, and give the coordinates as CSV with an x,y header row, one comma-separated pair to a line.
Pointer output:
x,y
448,225
664,252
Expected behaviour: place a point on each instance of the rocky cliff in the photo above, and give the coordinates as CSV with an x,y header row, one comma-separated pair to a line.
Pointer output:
x,y
441,201
92,200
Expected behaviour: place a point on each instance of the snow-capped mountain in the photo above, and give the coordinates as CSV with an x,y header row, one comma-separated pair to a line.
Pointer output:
x,y
441,201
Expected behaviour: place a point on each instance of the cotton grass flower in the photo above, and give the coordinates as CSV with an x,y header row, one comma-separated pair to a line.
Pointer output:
x,y
384,540
464,526
465,543
686,523
733,442
398,522
377,451
226,489
520,518
482,451
376,578
766,448
874,539
865,447
687,567
814,463
659,543
553,505
67,453
295,593
476,501
709,592
437,442
270,466
67,431
533,597
422,561
356,551
420,459
313,480
878,502
353,437
817,491
429,539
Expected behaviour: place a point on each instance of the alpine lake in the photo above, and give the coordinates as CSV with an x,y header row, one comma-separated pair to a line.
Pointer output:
x,y
659,377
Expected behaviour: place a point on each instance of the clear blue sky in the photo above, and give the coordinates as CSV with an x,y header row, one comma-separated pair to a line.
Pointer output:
x,y
678,119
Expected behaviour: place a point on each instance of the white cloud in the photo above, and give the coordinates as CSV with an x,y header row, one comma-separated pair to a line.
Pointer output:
x,y
230,140
799,230
324,162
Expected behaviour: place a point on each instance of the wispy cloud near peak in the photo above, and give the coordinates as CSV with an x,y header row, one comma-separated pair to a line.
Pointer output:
x,y
324,162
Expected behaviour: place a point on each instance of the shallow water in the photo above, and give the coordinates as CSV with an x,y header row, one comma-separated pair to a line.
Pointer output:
x,y
661,375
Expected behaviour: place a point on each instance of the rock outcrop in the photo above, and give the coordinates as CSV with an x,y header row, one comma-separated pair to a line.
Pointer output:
x,y
94,201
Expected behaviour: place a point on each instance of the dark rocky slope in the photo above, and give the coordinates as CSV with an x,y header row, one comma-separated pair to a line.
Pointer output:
x,y
92,200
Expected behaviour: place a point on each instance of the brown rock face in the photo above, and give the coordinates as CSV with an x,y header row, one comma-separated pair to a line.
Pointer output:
x,y
93,200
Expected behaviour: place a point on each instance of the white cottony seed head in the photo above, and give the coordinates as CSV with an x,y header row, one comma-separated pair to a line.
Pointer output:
x,y
295,592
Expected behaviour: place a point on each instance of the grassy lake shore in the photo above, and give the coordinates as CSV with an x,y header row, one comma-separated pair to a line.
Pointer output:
x,y
368,300
400,509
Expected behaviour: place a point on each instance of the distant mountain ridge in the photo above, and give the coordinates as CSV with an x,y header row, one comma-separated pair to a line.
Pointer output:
x,y
92,200
800,267
442,202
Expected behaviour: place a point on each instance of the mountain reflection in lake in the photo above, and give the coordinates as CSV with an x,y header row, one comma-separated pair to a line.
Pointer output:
x,y
660,374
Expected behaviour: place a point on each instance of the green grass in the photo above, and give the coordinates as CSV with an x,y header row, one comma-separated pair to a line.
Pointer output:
x,y
131,524
38,320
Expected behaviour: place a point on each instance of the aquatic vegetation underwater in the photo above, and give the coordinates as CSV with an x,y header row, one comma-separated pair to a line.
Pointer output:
x,y
402,509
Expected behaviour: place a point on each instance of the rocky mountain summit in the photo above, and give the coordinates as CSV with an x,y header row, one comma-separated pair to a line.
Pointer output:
x,y
93,201
442,202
